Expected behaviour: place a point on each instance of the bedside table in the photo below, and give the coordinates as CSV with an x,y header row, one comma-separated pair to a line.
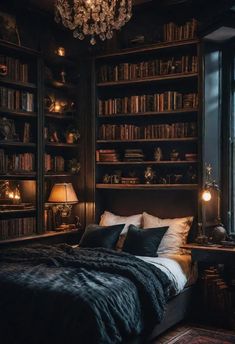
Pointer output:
x,y
212,254
216,286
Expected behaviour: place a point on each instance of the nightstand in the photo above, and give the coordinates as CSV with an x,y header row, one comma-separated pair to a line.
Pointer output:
x,y
216,283
212,254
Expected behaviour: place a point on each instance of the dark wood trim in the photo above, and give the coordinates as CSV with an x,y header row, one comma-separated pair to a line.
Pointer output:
x,y
15,113
150,162
148,49
148,186
148,113
179,76
17,84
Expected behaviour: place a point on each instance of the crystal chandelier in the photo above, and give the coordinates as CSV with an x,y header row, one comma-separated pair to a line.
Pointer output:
x,y
93,17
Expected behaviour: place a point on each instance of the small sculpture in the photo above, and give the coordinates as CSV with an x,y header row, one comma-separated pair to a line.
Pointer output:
x,y
149,175
158,154
106,178
72,135
174,155
7,129
74,166
3,70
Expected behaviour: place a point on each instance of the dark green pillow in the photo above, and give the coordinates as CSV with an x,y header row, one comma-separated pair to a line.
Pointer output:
x,y
101,236
143,242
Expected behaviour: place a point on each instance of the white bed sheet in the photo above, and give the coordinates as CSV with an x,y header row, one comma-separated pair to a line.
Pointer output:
x,y
178,267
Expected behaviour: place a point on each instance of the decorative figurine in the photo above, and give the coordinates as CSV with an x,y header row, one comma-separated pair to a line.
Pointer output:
x,y
72,135
3,70
149,175
106,179
7,129
158,154
174,155
74,166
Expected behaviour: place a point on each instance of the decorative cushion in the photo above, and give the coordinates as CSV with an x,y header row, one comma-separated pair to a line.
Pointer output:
x,y
110,219
175,237
143,242
100,236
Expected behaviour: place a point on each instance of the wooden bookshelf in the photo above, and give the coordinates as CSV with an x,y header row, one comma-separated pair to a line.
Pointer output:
x,y
14,113
17,84
115,111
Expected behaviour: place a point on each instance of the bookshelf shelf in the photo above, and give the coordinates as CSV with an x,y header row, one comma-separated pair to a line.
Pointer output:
x,y
148,49
18,176
150,162
10,144
149,80
59,116
17,213
185,139
17,84
149,113
148,186
59,175
14,113
61,145
36,236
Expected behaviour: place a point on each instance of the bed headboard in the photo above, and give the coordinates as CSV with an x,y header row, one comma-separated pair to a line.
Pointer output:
x,y
161,203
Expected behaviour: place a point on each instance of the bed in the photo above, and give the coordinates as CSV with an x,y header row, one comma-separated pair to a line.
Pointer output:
x,y
69,294
58,294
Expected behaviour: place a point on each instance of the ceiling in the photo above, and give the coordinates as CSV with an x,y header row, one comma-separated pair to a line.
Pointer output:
x,y
48,5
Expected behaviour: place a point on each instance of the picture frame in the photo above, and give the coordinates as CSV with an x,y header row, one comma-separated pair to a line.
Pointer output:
x,y
8,29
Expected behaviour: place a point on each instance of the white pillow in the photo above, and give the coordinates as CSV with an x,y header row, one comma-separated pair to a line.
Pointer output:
x,y
110,219
175,236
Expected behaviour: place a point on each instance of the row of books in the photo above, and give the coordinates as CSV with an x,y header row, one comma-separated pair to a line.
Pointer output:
x,y
173,32
152,131
151,68
12,228
107,155
158,102
54,163
16,100
217,296
16,162
16,70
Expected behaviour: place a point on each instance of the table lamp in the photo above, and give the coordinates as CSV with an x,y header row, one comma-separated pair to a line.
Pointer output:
x,y
63,196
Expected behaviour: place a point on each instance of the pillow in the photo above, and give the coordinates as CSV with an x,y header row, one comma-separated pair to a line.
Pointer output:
x,y
176,235
110,219
143,242
98,236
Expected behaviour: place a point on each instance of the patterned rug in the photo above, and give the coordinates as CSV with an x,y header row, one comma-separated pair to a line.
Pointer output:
x,y
203,336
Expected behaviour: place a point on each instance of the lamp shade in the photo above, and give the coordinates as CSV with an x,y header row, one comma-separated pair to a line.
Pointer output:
x,y
63,193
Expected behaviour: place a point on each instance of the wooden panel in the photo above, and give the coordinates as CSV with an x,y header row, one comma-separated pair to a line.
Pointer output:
x,y
160,203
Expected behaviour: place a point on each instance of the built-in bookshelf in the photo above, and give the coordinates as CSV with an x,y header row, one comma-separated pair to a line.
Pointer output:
x,y
19,125
39,139
148,115
61,129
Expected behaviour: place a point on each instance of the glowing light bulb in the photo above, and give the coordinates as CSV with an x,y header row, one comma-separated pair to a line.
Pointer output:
x,y
11,195
57,107
206,196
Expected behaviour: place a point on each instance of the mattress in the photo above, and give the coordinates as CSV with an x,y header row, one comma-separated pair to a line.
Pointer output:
x,y
178,267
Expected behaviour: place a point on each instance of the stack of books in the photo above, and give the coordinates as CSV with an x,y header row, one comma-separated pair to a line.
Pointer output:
x,y
16,99
107,155
16,70
11,228
132,155
54,163
130,180
173,32
24,162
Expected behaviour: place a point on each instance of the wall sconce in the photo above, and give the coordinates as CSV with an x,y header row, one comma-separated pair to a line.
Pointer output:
x,y
63,196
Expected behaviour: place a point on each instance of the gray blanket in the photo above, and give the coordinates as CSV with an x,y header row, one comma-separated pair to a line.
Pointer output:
x,y
57,294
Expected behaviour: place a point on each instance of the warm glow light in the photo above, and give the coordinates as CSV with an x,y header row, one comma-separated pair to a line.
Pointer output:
x,y
206,196
60,51
11,195
57,107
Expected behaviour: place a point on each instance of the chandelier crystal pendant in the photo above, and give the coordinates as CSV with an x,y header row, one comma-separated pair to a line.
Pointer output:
x,y
94,18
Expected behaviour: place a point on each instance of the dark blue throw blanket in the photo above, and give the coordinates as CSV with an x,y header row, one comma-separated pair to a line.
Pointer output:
x,y
57,294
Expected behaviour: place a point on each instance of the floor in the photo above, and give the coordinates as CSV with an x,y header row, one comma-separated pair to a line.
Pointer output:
x,y
181,328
